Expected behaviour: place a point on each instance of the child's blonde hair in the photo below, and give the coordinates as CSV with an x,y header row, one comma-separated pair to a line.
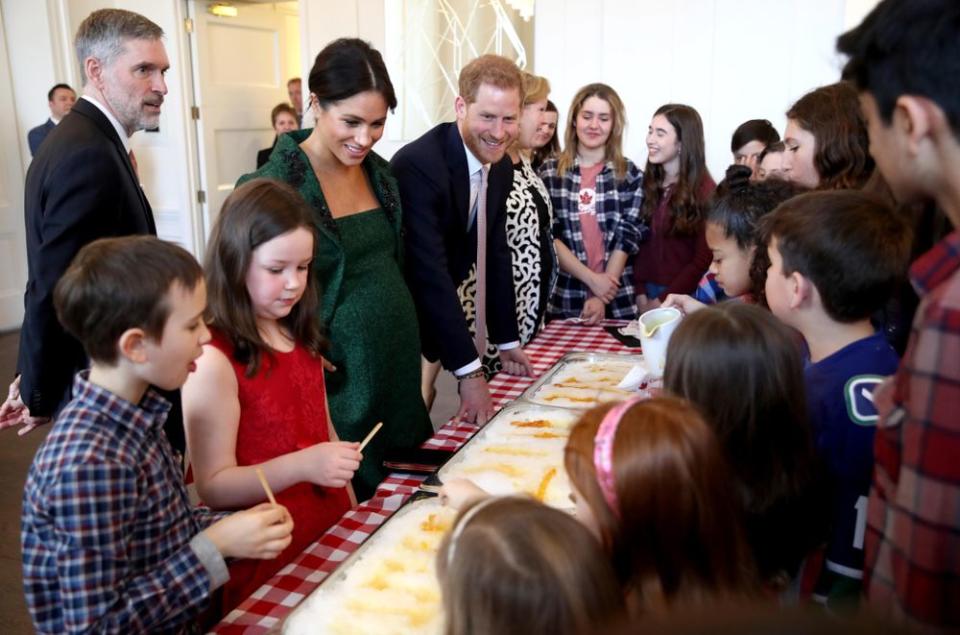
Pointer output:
x,y
512,565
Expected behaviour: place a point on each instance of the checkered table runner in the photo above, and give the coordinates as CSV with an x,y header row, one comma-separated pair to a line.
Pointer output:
x,y
269,604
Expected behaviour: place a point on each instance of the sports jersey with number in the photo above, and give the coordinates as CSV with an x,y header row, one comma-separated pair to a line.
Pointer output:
x,y
843,419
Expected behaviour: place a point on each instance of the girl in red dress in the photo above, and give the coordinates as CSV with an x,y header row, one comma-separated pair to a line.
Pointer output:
x,y
257,398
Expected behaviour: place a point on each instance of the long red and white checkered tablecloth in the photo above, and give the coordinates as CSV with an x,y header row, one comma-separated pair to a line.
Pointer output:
x,y
269,604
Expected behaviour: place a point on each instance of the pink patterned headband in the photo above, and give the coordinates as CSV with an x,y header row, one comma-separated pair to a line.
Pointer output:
x,y
603,451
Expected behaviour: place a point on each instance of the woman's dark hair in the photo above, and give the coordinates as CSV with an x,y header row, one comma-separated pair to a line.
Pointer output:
x,y
256,212
687,202
743,369
753,130
346,67
552,147
737,206
841,153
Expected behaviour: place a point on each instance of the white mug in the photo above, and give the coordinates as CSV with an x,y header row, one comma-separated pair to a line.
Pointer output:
x,y
655,345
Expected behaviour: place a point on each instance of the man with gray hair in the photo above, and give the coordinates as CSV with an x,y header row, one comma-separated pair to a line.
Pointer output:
x,y
83,185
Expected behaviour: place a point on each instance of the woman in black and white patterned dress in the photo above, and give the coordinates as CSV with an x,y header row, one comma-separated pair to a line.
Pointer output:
x,y
529,229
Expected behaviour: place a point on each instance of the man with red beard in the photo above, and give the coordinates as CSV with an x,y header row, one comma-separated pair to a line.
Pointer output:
x,y
457,260
83,185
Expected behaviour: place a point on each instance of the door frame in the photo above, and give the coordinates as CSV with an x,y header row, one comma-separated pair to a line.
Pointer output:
x,y
190,82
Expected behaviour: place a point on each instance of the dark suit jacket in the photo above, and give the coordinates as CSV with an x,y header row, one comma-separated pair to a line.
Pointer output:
x,y
80,187
264,155
36,135
435,196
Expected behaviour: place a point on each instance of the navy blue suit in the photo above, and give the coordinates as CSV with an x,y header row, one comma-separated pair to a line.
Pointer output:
x,y
441,249
36,136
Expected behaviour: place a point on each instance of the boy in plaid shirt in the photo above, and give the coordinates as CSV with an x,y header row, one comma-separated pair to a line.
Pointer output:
x,y
110,540
905,60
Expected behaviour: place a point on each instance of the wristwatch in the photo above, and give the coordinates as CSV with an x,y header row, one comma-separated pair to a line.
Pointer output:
x,y
473,374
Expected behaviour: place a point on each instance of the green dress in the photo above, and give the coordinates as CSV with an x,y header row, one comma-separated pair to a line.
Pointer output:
x,y
367,311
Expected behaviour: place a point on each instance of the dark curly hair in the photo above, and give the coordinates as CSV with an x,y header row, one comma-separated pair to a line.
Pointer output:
x,y
738,205
841,153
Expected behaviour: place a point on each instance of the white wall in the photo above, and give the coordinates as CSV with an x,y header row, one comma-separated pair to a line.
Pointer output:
x,y
732,60
31,30
322,21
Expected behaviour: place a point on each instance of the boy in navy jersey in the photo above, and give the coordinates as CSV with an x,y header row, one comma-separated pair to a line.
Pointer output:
x,y
835,259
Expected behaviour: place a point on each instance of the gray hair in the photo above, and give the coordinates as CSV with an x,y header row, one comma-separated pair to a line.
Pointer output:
x,y
103,33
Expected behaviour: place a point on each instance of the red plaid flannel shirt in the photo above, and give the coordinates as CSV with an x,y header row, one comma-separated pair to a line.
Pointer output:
x,y
913,527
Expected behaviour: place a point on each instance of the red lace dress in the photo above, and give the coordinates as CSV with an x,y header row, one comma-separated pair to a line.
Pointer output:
x,y
282,409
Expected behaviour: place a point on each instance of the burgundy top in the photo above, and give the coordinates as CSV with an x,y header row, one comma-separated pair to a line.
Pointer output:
x,y
675,260
282,409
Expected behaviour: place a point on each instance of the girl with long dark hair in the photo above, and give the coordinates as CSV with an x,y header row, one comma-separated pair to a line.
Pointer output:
x,y
676,189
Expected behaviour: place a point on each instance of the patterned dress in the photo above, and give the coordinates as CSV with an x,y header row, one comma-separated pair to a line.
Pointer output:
x,y
367,311
530,239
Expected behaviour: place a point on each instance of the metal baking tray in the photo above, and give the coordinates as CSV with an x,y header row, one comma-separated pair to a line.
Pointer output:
x,y
498,432
593,395
299,620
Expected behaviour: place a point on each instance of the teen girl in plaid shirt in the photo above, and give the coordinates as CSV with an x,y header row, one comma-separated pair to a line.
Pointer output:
x,y
596,200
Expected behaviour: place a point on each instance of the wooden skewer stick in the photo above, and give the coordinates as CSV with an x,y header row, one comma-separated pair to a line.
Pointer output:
x,y
375,430
266,485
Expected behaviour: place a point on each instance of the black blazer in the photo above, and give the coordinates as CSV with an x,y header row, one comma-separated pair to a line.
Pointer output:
x,y
80,187
36,135
264,155
435,196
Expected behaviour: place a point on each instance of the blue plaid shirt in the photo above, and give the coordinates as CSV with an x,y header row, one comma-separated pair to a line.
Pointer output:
x,y
618,214
708,291
110,540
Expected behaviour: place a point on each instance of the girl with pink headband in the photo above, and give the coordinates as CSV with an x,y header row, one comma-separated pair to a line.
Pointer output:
x,y
650,481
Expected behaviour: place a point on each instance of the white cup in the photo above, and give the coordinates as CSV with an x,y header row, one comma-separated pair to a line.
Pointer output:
x,y
655,345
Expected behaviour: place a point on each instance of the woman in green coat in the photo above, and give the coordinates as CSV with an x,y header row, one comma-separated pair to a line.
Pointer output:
x,y
366,308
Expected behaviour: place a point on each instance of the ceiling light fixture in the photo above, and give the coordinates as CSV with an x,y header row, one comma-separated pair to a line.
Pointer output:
x,y
223,10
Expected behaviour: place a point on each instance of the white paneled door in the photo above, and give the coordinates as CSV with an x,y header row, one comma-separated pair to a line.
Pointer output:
x,y
13,259
241,67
